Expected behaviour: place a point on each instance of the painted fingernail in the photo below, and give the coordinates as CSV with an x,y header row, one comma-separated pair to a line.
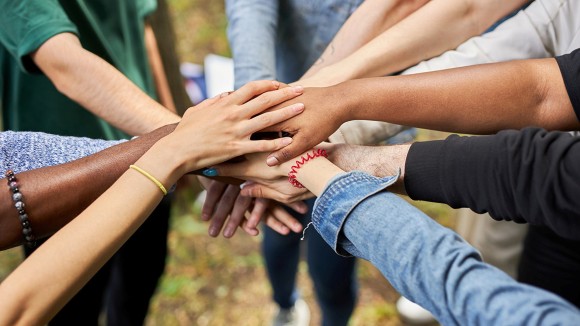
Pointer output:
x,y
271,161
285,141
298,107
210,172
298,89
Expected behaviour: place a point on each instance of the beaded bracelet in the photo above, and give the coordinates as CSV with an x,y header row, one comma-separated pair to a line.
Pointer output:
x,y
299,163
18,199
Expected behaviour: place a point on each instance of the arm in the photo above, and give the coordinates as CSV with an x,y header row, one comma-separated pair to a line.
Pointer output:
x,y
86,243
529,176
477,99
252,32
161,83
54,195
98,86
371,19
429,31
424,261
544,29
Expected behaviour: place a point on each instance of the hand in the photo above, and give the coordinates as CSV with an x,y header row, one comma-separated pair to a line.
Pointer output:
x,y
325,110
264,181
219,129
223,202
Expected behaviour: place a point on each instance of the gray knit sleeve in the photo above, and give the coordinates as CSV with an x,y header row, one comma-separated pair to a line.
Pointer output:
x,y
23,151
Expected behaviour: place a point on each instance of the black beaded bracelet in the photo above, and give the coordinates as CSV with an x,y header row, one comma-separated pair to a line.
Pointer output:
x,y
18,199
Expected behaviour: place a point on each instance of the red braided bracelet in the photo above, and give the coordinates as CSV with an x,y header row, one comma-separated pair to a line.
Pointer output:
x,y
299,163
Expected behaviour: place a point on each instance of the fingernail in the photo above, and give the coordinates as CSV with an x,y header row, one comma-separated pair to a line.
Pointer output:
x,y
228,233
212,232
242,185
298,89
210,172
276,83
204,217
271,161
286,141
298,107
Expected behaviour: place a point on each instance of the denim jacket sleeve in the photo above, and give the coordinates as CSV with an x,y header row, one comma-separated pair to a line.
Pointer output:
x,y
23,151
252,29
425,262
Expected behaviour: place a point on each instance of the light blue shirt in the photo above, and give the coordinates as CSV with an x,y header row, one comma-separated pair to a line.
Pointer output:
x,y
280,40
23,151
425,262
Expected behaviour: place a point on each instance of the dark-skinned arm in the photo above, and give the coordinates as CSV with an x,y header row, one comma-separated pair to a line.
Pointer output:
x,y
54,195
479,100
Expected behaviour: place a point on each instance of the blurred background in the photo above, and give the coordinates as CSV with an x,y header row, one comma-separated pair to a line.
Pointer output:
x,y
222,282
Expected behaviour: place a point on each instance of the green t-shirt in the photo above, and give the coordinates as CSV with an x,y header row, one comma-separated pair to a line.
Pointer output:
x,y
111,29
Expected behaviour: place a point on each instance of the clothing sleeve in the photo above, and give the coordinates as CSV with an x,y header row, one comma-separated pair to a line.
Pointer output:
x,y
427,263
544,29
570,68
252,30
528,176
23,151
26,25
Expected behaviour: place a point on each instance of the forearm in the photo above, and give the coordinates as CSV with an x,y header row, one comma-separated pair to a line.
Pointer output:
x,y
528,176
479,99
54,195
252,30
99,87
369,20
425,262
438,26
83,246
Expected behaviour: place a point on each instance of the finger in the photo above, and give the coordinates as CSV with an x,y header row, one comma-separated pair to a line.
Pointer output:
x,y
299,206
250,231
267,119
286,218
276,225
223,210
260,207
251,90
235,170
261,191
270,99
237,215
215,190
255,146
300,144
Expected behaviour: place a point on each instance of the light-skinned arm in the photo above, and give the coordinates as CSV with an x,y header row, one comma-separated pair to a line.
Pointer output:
x,y
74,254
478,99
432,29
99,87
370,19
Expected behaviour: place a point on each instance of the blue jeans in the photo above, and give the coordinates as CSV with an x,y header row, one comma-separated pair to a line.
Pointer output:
x,y
427,263
333,276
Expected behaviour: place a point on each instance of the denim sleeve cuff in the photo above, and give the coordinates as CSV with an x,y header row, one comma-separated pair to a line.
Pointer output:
x,y
422,171
342,194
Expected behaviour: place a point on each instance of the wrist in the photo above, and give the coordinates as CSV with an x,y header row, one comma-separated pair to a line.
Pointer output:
x,y
344,111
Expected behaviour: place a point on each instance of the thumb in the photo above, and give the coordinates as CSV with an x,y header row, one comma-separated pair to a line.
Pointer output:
x,y
298,146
